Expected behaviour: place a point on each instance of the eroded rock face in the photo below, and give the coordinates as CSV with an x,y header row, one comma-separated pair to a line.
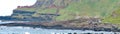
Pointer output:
x,y
70,24
20,15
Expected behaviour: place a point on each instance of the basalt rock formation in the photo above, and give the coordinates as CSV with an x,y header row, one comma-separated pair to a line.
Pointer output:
x,y
76,24
20,15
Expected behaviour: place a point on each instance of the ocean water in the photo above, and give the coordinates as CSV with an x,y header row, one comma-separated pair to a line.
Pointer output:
x,y
29,30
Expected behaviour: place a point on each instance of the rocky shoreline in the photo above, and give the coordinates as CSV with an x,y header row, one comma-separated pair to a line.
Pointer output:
x,y
61,27
70,24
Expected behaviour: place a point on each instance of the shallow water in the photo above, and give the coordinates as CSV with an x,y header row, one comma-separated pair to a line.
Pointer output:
x,y
29,30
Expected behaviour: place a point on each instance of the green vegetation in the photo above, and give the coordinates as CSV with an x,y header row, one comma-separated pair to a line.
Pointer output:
x,y
101,8
114,18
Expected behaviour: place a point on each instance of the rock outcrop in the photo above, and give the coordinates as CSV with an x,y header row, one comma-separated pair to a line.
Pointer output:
x,y
20,15
77,24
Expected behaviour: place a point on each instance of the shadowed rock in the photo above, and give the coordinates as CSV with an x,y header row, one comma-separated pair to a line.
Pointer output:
x,y
70,24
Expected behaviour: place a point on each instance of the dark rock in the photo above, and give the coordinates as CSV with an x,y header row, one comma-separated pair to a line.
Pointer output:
x,y
27,16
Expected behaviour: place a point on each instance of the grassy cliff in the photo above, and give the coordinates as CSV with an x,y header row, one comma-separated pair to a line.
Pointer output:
x,y
70,9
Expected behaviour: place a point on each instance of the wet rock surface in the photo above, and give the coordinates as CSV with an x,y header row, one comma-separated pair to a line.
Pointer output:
x,y
70,24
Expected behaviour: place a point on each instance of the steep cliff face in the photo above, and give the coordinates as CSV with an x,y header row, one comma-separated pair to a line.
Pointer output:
x,y
47,10
51,3
47,6
71,9
20,15
47,3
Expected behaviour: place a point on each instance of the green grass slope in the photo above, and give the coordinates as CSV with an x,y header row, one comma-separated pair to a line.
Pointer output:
x,y
114,18
91,8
